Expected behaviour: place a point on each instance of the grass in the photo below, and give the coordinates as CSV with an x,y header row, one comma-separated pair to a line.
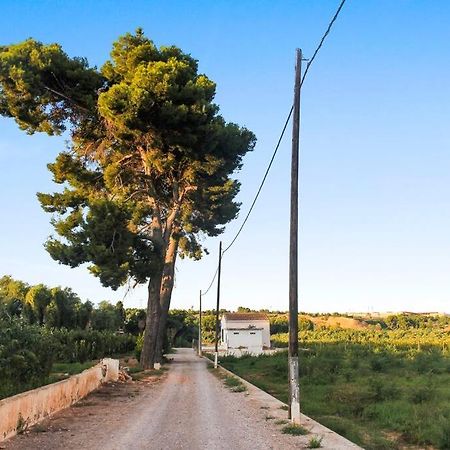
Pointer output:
x,y
72,368
141,374
377,397
61,371
231,382
281,422
294,430
315,442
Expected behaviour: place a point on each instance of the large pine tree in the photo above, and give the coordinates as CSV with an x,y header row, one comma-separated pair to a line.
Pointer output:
x,y
149,166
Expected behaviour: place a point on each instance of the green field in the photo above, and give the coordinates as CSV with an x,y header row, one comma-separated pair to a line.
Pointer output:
x,y
380,396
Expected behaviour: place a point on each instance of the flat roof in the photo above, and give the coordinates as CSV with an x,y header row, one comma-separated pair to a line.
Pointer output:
x,y
245,316
244,329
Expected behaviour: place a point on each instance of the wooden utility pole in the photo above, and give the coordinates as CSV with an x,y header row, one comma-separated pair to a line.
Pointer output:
x,y
200,326
216,353
294,389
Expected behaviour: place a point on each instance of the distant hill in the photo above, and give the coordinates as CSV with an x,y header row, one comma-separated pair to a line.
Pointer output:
x,y
338,322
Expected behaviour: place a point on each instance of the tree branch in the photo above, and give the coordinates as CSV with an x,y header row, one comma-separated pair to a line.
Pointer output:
x,y
60,94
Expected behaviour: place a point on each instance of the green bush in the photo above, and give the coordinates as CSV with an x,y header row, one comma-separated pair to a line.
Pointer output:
x,y
138,347
26,356
422,394
27,352
444,442
82,345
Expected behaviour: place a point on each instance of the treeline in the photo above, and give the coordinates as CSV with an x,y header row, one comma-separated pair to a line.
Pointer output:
x,y
57,307
394,339
402,327
40,325
401,321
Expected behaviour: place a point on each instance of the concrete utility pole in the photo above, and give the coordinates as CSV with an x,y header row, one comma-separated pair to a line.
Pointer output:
x,y
294,389
216,353
200,326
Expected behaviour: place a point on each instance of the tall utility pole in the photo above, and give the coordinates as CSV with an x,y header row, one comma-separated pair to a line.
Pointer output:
x,y
216,353
200,326
294,389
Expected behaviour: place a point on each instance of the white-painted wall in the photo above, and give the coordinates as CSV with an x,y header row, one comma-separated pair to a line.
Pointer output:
x,y
244,324
245,340
245,336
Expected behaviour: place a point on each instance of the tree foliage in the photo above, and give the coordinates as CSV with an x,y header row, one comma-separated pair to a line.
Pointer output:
x,y
146,136
149,167
57,307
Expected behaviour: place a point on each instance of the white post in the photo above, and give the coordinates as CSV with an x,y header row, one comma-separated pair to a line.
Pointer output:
x,y
200,326
294,389
216,356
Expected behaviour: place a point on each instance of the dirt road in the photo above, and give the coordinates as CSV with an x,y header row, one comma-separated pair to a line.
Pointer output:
x,y
189,409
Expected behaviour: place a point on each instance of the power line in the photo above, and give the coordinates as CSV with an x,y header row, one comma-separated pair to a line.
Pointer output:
x,y
212,281
316,51
256,197
327,32
262,182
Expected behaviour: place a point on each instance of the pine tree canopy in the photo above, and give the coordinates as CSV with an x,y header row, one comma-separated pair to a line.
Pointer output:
x,y
149,158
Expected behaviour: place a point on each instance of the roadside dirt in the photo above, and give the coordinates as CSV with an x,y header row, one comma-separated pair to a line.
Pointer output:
x,y
92,419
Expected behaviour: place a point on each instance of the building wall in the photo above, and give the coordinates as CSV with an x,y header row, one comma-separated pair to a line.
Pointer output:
x,y
243,341
244,338
245,324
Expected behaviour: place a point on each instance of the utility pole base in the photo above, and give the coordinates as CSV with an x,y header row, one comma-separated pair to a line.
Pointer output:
x,y
216,356
294,390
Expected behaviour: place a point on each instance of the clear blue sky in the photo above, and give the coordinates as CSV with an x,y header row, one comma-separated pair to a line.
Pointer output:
x,y
375,147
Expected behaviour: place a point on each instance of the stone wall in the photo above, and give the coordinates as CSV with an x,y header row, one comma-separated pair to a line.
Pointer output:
x,y
30,407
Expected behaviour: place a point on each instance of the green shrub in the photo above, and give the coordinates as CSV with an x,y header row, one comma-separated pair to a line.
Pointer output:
x,y
350,399
422,394
444,442
26,356
138,347
83,345
383,389
295,430
27,352
315,442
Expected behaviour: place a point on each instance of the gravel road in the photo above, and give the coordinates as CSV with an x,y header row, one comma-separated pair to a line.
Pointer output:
x,y
189,409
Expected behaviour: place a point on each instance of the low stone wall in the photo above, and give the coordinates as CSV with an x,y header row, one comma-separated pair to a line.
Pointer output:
x,y
28,408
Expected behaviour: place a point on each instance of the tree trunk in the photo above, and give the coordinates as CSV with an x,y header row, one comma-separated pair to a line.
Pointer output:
x,y
148,353
167,283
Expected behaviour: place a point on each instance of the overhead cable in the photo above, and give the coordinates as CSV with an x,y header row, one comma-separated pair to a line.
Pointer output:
x,y
308,65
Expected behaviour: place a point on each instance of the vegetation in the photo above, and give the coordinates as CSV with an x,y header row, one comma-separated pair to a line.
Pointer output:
x,y
422,338
59,307
42,327
231,382
149,165
315,442
379,394
397,330
295,430
71,368
28,353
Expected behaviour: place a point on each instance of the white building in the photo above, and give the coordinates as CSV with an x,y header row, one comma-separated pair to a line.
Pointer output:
x,y
245,333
